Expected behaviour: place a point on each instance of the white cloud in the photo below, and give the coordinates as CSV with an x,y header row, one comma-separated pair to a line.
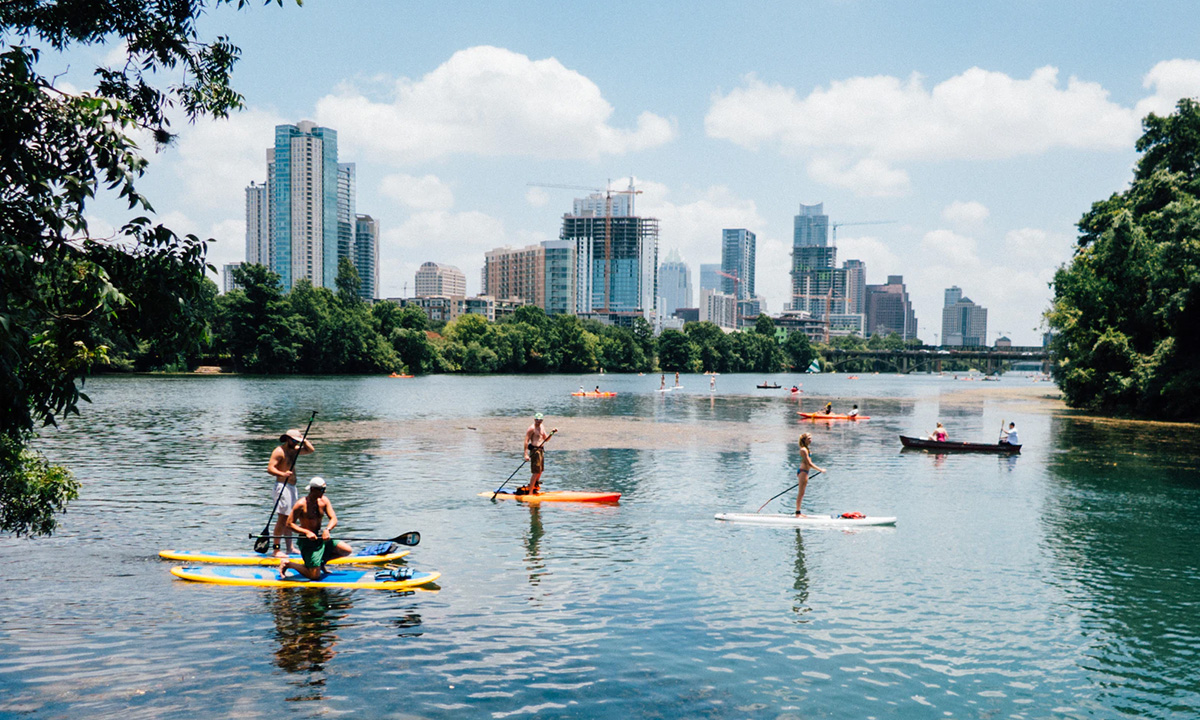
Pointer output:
x,y
965,214
419,193
458,239
1033,244
215,160
489,101
858,132
537,197
949,248
879,258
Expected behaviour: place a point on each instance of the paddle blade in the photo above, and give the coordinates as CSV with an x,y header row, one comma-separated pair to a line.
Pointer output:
x,y
409,538
262,544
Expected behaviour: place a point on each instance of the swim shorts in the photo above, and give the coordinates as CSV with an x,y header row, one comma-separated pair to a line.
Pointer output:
x,y
537,459
317,552
287,500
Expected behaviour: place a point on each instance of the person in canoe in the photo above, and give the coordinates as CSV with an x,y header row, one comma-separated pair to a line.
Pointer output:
x,y
828,408
939,433
284,494
535,454
316,546
806,464
853,412
1009,436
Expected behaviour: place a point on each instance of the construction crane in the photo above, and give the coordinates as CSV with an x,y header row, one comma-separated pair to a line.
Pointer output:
x,y
608,193
835,226
737,298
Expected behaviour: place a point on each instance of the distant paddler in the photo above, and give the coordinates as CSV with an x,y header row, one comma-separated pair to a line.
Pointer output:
x,y
828,409
316,546
535,454
806,464
285,495
1009,436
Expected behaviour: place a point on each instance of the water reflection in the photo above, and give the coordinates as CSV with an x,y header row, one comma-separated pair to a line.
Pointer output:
x,y
534,563
800,604
306,624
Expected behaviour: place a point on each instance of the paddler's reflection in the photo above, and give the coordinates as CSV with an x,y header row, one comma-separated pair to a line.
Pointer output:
x,y
533,557
800,602
306,623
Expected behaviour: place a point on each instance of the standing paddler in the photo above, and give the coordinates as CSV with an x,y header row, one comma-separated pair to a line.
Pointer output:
x,y
535,454
284,495
806,464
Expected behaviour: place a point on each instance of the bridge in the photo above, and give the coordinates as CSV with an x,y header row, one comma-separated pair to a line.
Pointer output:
x,y
988,359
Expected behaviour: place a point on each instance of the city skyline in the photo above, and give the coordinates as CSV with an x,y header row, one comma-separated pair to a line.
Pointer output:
x,y
984,130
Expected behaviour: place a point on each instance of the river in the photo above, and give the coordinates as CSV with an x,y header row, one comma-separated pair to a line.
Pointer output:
x,y
1060,583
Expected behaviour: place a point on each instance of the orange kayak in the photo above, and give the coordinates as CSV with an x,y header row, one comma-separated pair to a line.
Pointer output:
x,y
823,416
594,394
394,375
560,496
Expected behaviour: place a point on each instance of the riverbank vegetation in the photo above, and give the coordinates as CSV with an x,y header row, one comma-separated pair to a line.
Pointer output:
x,y
1126,308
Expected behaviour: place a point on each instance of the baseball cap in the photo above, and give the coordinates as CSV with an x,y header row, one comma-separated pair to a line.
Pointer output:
x,y
538,416
316,483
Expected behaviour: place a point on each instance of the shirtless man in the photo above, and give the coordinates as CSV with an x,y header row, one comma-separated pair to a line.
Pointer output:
x,y
535,453
316,547
284,495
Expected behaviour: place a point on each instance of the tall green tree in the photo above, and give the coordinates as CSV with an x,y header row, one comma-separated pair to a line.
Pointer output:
x,y
62,288
1127,306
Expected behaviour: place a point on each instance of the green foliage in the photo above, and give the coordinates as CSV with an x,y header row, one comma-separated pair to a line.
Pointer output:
x,y
1127,306
66,295
798,351
677,353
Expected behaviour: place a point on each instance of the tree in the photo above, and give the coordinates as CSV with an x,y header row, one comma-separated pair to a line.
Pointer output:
x,y
1126,307
677,353
764,325
798,351
61,288
713,345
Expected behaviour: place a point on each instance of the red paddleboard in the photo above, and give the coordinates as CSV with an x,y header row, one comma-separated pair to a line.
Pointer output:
x,y
560,496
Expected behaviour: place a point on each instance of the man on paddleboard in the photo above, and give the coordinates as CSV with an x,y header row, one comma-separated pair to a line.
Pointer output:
x,y
284,494
316,547
535,454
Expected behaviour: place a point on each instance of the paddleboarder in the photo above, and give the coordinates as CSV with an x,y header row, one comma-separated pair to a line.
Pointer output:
x,y
284,495
806,464
316,546
535,454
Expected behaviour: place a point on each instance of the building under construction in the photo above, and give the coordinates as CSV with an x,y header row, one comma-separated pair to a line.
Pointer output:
x,y
616,259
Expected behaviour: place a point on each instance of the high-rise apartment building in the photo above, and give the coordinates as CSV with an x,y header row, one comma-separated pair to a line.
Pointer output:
x,y
440,280
963,322
616,258
228,284
710,277
818,288
674,284
889,309
811,227
346,216
516,273
258,225
559,275
856,286
719,309
303,178
737,260
366,255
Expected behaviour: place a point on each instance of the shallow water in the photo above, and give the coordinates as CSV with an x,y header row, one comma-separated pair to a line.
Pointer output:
x,y
1062,583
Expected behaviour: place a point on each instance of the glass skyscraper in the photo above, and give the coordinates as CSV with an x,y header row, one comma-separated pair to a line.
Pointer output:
x,y
366,255
303,182
737,259
675,284
616,259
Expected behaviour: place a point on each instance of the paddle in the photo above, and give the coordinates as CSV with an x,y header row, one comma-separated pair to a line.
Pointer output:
x,y
514,473
810,477
409,538
1001,439
264,541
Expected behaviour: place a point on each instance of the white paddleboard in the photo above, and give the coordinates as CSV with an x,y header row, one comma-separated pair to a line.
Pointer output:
x,y
809,521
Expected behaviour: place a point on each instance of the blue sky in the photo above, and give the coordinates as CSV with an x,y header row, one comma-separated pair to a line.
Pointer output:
x,y
984,130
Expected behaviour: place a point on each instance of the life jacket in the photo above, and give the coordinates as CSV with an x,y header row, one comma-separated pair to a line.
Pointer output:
x,y
853,516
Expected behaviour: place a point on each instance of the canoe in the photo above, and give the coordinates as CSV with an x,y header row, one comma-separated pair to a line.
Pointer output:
x,y
252,558
254,576
768,387
836,521
947,446
594,394
559,496
823,416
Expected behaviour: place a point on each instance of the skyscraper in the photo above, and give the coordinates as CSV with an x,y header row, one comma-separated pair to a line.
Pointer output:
x,y
366,255
811,227
346,216
434,280
616,258
818,287
963,322
516,273
559,274
889,309
303,181
737,259
856,286
674,284
709,279
258,225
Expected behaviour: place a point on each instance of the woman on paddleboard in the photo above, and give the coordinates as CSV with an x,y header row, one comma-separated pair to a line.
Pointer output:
x,y
806,464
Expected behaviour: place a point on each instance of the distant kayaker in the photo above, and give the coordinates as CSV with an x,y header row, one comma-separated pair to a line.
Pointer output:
x,y
853,412
316,546
806,464
828,408
597,389
284,494
535,453
1009,436
939,434
581,390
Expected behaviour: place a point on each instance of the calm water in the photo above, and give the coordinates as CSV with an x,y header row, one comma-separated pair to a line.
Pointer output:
x,y
1063,583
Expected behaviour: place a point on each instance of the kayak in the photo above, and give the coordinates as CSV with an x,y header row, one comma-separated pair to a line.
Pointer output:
x,y
809,521
395,375
947,446
253,576
594,394
251,558
559,496
823,416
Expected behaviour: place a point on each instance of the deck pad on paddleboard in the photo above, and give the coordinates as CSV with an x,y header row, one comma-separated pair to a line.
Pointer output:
x,y
253,558
559,496
258,576
808,521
